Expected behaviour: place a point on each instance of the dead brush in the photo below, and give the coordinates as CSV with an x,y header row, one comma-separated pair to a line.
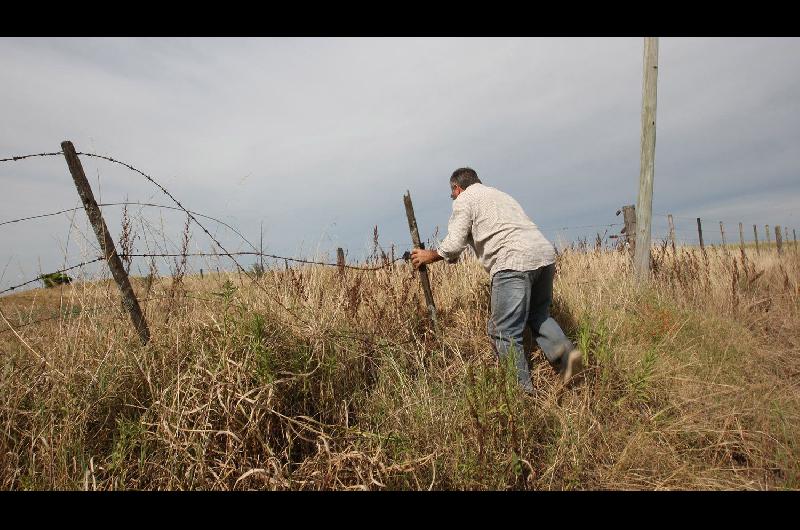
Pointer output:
x,y
688,383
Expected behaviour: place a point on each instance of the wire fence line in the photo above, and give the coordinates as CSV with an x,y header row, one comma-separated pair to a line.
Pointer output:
x,y
22,157
192,216
60,271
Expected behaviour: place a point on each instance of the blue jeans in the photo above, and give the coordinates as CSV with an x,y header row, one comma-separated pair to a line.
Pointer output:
x,y
521,298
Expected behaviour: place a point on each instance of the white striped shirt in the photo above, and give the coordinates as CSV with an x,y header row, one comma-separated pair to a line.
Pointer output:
x,y
498,230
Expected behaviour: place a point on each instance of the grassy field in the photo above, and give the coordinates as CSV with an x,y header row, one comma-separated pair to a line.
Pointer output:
x,y
312,380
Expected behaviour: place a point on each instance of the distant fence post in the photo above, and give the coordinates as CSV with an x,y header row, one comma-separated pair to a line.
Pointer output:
x,y
700,234
741,237
778,238
786,234
722,232
340,260
629,218
106,243
423,270
671,232
769,238
794,235
755,236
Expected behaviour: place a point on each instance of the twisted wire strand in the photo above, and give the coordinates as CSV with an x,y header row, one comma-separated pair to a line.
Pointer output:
x,y
22,157
39,278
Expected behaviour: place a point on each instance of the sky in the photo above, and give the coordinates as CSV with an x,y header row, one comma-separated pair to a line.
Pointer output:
x,y
319,138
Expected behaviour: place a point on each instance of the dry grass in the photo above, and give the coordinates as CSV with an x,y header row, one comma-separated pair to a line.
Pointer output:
x,y
692,382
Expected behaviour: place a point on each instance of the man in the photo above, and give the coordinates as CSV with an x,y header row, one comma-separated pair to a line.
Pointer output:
x,y
521,263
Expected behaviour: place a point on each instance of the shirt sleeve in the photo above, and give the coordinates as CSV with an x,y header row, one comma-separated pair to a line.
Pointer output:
x,y
459,229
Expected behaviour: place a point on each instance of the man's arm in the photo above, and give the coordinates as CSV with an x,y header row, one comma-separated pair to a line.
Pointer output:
x,y
458,230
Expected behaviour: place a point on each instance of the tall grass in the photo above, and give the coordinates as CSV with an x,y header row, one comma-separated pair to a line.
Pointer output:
x,y
692,381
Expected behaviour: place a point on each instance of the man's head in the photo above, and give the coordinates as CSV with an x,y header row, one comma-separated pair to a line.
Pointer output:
x,y
461,179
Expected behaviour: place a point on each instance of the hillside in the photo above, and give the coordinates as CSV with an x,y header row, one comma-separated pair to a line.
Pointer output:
x,y
314,380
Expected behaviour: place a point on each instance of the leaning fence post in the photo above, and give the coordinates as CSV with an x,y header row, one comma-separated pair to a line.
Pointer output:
x,y
778,238
794,235
755,235
423,270
722,233
106,243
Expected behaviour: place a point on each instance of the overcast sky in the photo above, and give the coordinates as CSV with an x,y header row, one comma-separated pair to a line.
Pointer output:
x,y
319,138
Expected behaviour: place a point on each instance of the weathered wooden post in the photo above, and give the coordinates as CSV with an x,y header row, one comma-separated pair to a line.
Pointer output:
x,y
629,218
644,203
755,236
722,232
423,270
340,260
769,239
778,239
671,232
106,243
201,274
700,235
794,235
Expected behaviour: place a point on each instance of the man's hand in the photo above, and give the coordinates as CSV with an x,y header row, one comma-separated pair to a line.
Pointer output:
x,y
420,257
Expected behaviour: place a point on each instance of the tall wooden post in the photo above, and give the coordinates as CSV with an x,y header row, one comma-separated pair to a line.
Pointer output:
x,y
423,270
722,232
671,232
769,239
644,203
700,234
778,238
106,243
755,236
794,235
786,234
741,238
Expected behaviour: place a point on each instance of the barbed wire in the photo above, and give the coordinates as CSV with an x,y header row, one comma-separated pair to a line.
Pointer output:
x,y
167,207
22,157
248,253
60,271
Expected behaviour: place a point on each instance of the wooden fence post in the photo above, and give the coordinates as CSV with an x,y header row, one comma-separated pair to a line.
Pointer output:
x,y
106,243
722,232
671,232
340,260
794,235
769,238
700,235
755,236
423,270
741,237
778,238
629,218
